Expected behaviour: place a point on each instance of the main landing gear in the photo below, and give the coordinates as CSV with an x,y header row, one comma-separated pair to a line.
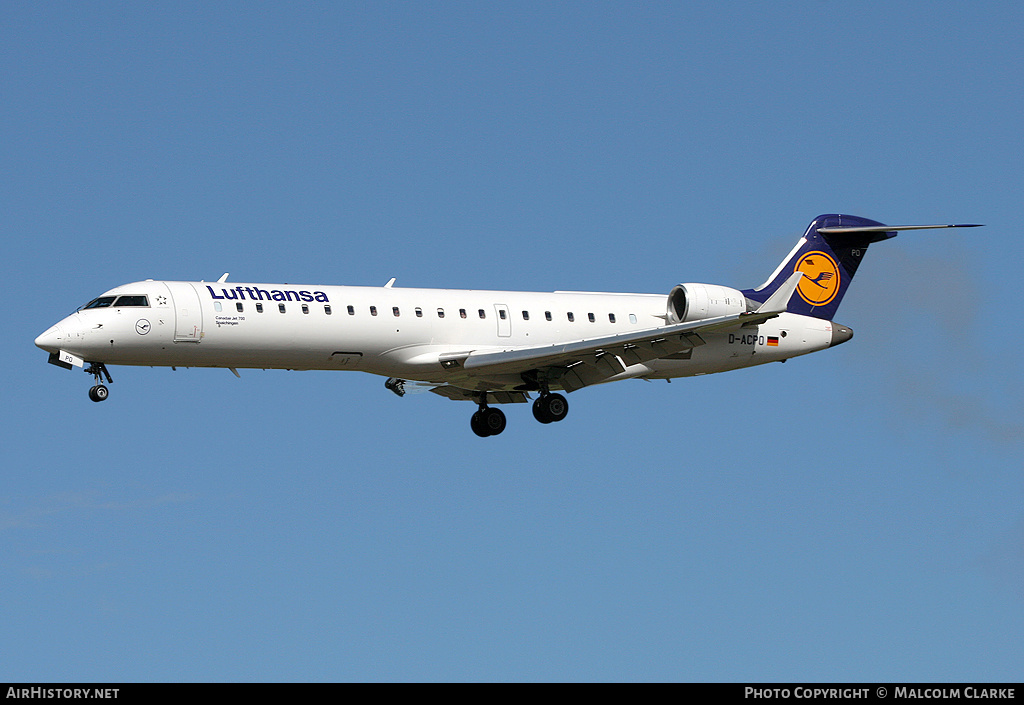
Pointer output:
x,y
548,408
99,391
489,421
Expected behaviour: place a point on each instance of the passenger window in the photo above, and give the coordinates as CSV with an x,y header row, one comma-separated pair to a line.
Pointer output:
x,y
591,318
327,309
611,318
440,313
482,313
239,307
462,312
373,310
526,315
501,313
280,307
572,318
217,307
259,308
351,310
394,310
632,318
547,315
305,308
419,312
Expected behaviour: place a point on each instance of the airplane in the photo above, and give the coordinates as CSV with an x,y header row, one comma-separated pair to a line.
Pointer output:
x,y
487,347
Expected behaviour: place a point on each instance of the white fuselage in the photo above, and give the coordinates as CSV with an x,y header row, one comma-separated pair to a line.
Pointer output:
x,y
395,332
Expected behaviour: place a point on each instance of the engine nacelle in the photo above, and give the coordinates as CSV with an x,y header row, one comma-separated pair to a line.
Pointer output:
x,y
694,302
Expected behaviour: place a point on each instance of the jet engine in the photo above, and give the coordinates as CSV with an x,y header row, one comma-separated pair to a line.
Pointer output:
x,y
695,302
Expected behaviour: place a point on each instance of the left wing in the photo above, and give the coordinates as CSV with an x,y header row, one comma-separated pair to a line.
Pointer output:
x,y
584,362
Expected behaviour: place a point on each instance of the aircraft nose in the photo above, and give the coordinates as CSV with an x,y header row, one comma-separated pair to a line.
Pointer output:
x,y
50,341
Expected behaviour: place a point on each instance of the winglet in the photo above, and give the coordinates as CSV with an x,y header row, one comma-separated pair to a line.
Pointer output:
x,y
779,301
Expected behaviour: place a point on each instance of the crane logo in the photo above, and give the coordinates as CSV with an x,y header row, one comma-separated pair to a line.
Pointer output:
x,y
820,282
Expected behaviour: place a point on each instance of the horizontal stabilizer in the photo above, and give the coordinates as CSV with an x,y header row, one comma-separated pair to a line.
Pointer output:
x,y
890,228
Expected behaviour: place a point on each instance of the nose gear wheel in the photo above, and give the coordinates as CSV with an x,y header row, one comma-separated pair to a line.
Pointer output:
x,y
99,391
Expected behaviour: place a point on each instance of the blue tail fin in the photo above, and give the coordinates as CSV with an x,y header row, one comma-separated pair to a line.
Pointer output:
x,y
828,263
828,254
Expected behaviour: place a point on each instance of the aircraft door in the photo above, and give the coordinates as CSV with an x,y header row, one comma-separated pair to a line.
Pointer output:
x,y
504,320
188,312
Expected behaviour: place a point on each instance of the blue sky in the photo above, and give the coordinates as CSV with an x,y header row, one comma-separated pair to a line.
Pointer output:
x,y
852,515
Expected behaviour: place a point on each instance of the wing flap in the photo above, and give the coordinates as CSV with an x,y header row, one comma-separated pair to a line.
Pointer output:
x,y
460,394
591,371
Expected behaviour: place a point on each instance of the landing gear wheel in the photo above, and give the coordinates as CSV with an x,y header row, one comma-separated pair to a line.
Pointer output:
x,y
476,423
487,422
494,420
540,411
549,408
98,371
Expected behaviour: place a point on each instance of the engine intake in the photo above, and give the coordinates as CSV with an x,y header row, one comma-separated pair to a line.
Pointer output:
x,y
695,302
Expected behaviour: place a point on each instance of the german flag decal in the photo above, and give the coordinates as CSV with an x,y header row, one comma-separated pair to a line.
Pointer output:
x,y
773,342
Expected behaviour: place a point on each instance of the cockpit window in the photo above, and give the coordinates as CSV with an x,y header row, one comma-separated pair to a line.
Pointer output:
x,y
101,302
132,301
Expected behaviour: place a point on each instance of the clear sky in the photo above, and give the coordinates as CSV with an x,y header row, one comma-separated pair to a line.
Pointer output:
x,y
857,514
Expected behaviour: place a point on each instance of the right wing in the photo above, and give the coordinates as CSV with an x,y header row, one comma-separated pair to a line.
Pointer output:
x,y
579,363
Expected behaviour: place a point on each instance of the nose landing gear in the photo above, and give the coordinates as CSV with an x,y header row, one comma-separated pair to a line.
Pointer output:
x,y
99,391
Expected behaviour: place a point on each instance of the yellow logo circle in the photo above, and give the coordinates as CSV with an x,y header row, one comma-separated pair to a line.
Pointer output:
x,y
820,282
